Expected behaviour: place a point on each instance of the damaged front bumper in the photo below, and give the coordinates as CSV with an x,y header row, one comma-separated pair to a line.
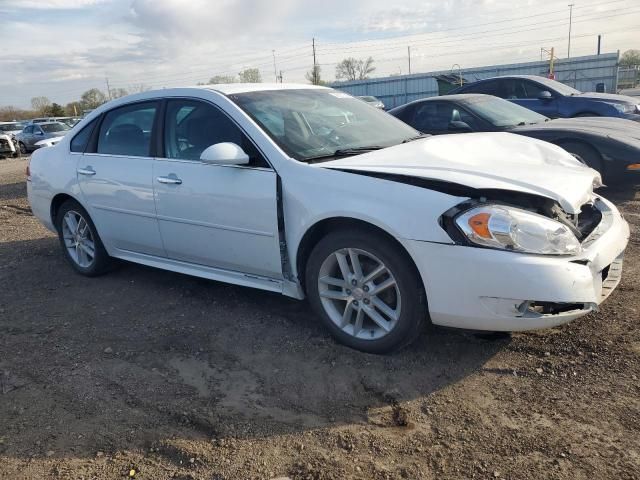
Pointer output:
x,y
483,289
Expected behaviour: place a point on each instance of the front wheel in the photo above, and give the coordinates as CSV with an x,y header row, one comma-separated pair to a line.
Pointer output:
x,y
80,242
366,290
23,148
587,154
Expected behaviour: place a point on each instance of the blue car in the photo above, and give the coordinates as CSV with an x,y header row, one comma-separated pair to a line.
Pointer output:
x,y
554,99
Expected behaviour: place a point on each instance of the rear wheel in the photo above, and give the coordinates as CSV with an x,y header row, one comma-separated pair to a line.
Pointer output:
x,y
366,291
80,241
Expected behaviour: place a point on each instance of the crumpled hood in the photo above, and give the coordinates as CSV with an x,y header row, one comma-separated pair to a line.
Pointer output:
x,y
485,161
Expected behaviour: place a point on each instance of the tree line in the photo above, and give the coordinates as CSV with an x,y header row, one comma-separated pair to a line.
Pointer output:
x,y
42,106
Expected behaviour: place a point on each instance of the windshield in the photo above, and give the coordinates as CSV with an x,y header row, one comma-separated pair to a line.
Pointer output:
x,y
10,127
54,127
310,123
502,113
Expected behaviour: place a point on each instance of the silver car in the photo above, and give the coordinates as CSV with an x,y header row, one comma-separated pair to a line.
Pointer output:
x,y
32,134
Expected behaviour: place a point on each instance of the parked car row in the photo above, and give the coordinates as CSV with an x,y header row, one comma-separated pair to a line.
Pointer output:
x,y
309,192
609,145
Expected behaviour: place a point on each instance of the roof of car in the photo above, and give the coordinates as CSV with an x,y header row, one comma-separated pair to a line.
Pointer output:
x,y
233,88
457,96
529,77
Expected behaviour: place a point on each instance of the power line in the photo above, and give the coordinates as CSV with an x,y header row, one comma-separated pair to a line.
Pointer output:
x,y
405,37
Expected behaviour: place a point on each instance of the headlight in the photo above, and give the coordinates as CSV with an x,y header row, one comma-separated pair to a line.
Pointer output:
x,y
509,228
624,107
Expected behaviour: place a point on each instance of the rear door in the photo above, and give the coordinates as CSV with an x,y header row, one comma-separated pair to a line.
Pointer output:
x,y
222,216
115,177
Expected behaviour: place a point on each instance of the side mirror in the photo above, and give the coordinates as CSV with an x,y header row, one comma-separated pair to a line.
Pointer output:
x,y
545,95
39,132
225,153
459,127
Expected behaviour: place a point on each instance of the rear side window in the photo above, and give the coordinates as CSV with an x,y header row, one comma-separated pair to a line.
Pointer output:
x,y
127,130
80,141
494,87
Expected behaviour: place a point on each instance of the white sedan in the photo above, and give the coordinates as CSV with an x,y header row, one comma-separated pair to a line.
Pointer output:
x,y
309,192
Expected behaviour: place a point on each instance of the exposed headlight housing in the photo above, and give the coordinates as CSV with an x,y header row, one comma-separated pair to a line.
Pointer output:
x,y
514,229
624,107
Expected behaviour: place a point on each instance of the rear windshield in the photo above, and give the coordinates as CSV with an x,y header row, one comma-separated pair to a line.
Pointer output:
x,y
54,127
10,127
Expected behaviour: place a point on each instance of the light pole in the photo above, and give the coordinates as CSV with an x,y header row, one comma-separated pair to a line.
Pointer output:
x,y
275,72
570,19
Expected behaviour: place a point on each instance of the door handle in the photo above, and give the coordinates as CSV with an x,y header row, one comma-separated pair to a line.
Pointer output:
x,y
170,180
86,171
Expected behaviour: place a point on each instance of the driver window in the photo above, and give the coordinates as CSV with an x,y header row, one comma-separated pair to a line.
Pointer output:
x,y
435,117
191,126
533,90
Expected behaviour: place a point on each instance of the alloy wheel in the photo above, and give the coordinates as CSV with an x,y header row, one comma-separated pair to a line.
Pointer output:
x,y
78,239
359,293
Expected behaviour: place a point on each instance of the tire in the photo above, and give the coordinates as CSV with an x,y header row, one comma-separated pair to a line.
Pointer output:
x,y
86,234
588,154
23,148
399,290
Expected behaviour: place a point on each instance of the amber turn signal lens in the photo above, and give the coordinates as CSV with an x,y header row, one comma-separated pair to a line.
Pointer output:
x,y
633,166
480,224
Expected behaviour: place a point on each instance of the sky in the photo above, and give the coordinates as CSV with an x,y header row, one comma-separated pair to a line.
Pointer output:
x,y
60,48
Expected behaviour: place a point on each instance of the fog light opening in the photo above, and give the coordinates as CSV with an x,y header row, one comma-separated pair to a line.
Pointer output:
x,y
530,308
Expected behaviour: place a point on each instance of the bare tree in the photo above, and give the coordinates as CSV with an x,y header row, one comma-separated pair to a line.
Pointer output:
x,y
217,79
73,109
40,104
313,76
138,88
92,99
354,69
250,75
118,92
10,113
630,58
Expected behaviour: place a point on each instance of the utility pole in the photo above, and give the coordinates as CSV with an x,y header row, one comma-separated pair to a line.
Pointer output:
x,y
599,40
280,76
313,45
315,65
275,72
570,20
409,55
108,89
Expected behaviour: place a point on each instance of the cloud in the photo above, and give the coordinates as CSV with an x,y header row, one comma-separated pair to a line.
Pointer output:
x,y
49,4
74,44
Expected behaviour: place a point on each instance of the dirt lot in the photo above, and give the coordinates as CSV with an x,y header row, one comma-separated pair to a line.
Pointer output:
x,y
177,377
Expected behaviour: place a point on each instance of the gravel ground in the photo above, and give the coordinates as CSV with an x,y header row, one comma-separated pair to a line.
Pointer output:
x,y
177,377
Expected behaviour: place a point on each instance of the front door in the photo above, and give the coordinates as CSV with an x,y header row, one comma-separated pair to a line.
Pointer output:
x,y
116,180
214,215
527,94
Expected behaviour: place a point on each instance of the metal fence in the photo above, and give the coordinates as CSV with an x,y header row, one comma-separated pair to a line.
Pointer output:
x,y
628,77
583,73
